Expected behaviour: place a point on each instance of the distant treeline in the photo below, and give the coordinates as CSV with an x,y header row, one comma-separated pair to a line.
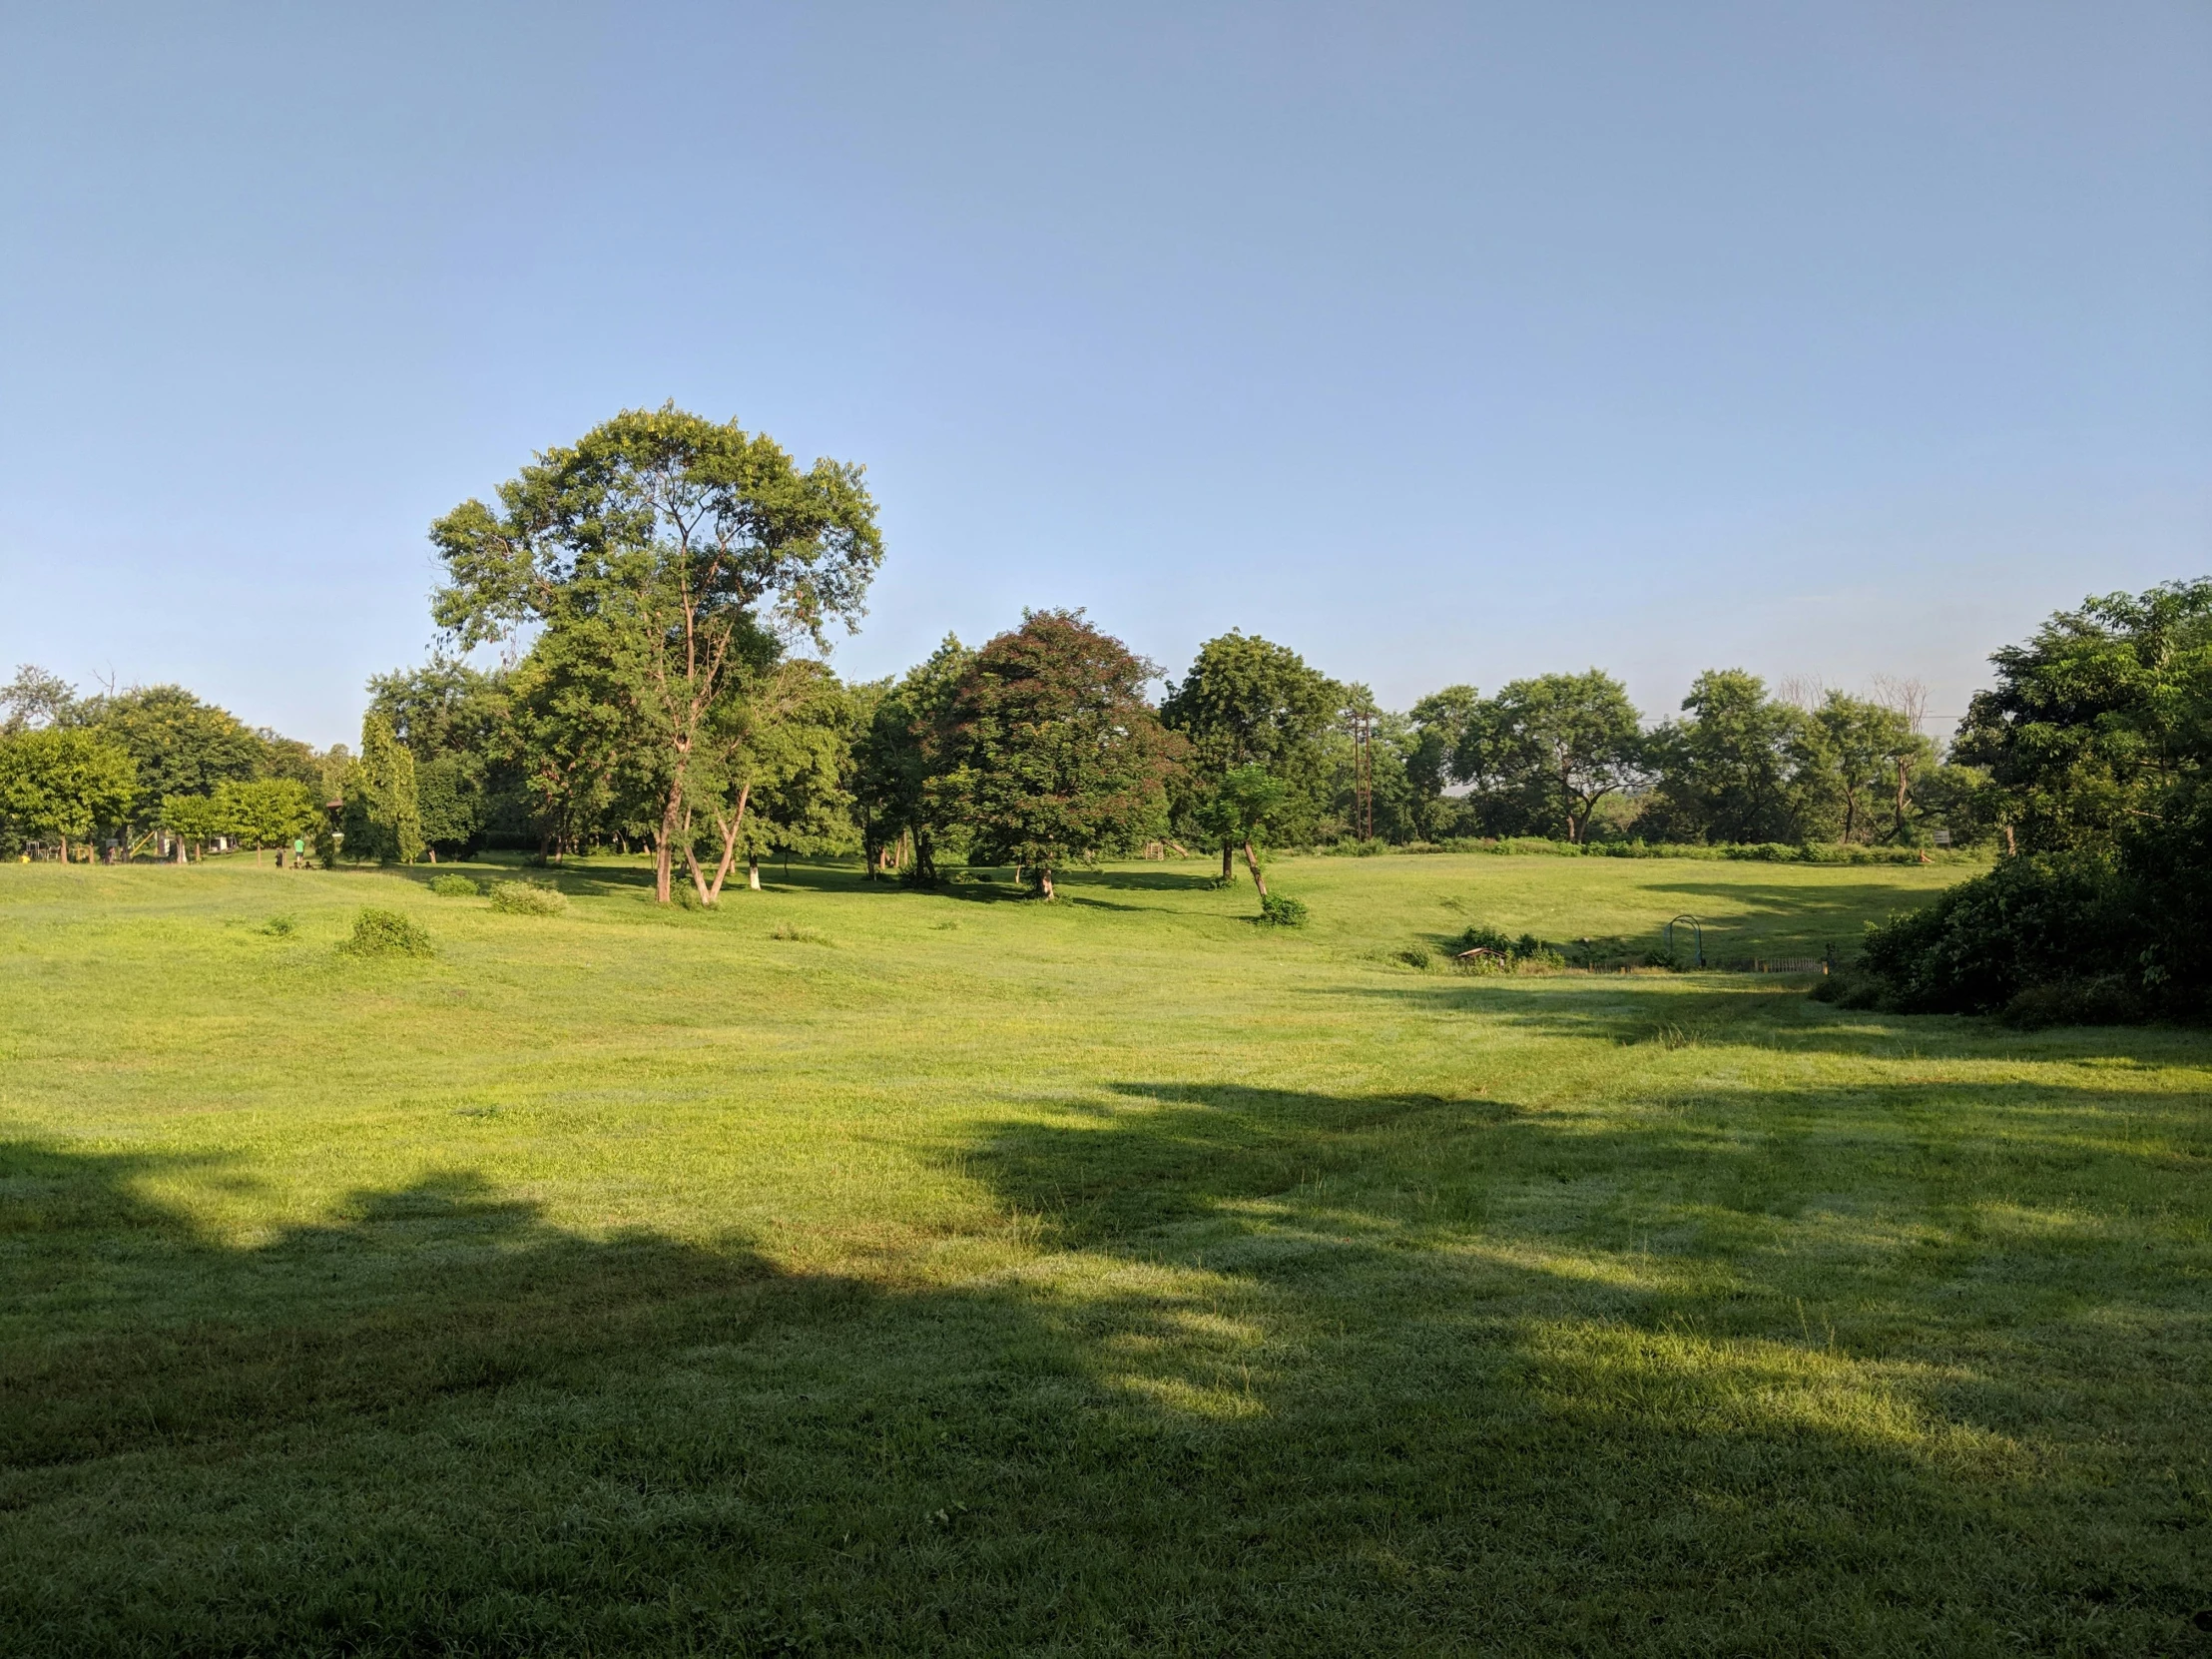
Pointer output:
x,y
454,758
134,772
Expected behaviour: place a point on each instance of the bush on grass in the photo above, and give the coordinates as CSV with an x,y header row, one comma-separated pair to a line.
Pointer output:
x,y
1277,911
792,934
387,933
527,899
454,886
1483,948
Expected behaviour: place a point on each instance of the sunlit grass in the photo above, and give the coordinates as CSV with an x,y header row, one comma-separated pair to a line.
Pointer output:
x,y
852,1269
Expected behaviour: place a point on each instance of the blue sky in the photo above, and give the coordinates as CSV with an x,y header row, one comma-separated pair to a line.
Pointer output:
x,y
1447,343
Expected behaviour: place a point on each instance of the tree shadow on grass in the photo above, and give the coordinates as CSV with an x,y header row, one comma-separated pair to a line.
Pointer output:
x,y
1293,1372
1716,1010
1866,894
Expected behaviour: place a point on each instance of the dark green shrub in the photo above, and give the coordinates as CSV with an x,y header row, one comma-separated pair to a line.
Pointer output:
x,y
1277,910
2032,921
1418,957
527,899
454,886
387,933
1482,936
2103,999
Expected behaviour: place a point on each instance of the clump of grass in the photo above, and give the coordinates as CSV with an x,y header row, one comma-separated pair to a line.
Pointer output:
x,y
527,899
1687,1034
792,934
454,886
1277,911
280,927
387,933
1418,957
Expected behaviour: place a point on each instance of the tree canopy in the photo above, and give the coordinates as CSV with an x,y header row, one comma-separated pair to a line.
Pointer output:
x,y
2095,720
1555,745
1248,702
63,784
1057,752
682,543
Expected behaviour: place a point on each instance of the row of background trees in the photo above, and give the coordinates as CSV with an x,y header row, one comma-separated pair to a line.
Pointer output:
x,y
661,595
148,768
969,753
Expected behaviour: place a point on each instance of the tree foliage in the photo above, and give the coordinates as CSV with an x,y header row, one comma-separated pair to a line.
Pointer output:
x,y
2099,719
2097,739
382,812
1553,746
1056,751
905,755
62,785
678,540
1248,702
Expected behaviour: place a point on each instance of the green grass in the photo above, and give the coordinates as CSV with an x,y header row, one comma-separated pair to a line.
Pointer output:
x,y
852,1269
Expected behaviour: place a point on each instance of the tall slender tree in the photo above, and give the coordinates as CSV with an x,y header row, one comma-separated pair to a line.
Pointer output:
x,y
683,536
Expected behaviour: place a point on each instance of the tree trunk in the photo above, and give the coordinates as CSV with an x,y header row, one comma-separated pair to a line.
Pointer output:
x,y
1044,880
664,842
728,828
65,850
1253,859
1228,869
753,873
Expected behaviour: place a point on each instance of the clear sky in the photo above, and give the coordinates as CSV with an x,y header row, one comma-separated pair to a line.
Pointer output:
x,y
1443,343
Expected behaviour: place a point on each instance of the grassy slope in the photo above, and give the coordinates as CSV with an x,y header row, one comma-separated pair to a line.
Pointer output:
x,y
1101,1276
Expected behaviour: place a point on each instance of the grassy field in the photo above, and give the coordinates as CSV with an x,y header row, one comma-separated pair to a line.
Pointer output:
x,y
980,1276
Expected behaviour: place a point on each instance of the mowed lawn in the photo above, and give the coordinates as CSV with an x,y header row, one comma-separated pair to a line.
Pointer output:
x,y
979,1276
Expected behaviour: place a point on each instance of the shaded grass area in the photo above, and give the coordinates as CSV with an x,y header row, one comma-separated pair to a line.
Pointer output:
x,y
1086,1280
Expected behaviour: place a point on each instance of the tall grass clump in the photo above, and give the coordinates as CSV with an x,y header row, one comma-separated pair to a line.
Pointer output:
x,y
387,933
527,899
454,886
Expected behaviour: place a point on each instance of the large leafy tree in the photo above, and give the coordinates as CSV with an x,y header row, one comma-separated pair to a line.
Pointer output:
x,y
1741,766
1553,746
1248,702
678,538
903,757
2095,721
1433,727
579,732
1857,738
1058,753
178,743
62,785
